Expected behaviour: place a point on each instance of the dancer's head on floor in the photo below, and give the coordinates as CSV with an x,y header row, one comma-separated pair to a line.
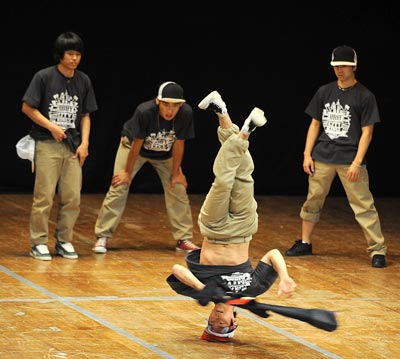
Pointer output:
x,y
221,324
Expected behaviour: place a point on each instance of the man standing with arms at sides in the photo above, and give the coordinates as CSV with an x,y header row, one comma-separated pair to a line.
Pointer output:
x,y
59,99
343,114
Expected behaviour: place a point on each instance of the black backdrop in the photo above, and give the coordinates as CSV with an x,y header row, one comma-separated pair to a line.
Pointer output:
x,y
274,60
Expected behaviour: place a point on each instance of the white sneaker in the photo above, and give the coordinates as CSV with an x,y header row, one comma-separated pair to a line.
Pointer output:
x,y
66,250
213,102
101,245
40,251
255,119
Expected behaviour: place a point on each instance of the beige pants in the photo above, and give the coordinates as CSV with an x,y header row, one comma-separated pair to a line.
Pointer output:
x,y
176,199
358,195
55,169
229,211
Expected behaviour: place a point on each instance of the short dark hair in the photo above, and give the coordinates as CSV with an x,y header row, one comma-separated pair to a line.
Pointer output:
x,y
68,40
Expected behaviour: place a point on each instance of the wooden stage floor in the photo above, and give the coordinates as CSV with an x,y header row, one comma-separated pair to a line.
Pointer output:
x,y
118,305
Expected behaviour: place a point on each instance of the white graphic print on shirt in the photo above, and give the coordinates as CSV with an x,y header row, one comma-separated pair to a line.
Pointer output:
x,y
63,109
162,141
237,281
336,119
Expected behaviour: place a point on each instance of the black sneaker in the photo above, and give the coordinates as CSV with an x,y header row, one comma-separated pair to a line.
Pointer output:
x,y
299,249
379,261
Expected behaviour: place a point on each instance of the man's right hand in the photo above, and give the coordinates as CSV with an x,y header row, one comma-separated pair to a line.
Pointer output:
x,y
120,178
308,165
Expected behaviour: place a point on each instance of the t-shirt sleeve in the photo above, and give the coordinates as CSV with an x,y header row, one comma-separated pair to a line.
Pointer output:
x,y
180,287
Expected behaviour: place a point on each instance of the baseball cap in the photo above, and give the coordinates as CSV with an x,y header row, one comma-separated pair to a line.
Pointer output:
x,y
211,336
170,92
26,149
344,55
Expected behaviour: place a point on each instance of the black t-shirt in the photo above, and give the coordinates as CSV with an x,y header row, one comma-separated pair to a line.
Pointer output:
x,y
60,99
240,278
342,114
158,134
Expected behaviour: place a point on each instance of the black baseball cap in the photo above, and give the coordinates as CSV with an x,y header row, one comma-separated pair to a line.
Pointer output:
x,y
344,55
170,92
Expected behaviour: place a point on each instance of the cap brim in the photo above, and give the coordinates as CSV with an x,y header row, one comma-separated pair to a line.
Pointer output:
x,y
213,338
173,100
343,63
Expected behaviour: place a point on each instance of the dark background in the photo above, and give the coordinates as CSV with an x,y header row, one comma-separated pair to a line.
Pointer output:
x,y
273,59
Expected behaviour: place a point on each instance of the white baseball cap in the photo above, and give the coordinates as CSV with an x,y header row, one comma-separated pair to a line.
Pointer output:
x,y
26,149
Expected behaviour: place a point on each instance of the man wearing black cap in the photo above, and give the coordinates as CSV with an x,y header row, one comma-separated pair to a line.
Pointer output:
x,y
343,114
156,134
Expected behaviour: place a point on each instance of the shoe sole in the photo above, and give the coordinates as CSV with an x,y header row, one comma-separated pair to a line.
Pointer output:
x,y
298,255
378,266
259,119
99,250
68,256
205,101
46,258
185,250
